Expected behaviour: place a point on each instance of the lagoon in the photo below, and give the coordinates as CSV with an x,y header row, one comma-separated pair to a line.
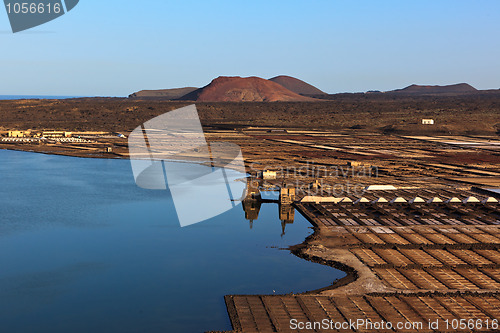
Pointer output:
x,y
83,249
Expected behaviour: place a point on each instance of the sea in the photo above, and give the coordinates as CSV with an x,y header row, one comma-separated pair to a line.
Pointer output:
x,y
10,97
83,249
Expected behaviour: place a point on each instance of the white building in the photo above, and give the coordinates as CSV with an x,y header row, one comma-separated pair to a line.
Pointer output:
x,y
380,188
268,175
427,121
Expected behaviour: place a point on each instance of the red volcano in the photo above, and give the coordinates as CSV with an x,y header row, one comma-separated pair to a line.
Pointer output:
x,y
296,85
238,89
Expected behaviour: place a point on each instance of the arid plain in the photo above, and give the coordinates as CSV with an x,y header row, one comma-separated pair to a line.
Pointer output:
x,y
418,233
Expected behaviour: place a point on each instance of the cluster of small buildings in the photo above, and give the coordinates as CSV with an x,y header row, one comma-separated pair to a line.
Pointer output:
x,y
50,134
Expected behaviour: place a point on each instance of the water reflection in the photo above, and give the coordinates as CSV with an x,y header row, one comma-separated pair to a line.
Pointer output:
x,y
100,254
253,201
287,216
251,209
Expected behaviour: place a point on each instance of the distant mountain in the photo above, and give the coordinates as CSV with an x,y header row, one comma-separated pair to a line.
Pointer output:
x,y
297,86
163,93
459,88
238,89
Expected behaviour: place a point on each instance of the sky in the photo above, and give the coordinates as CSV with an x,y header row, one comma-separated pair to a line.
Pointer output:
x,y
116,47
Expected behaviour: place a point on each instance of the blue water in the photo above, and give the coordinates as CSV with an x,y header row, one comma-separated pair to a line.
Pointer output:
x,y
83,249
5,97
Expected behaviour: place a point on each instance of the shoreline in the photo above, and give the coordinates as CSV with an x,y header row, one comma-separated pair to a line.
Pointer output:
x,y
299,250
95,149
357,273
402,258
367,293
62,153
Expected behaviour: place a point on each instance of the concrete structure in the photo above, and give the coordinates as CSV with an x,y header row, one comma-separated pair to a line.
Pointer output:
x,y
490,200
380,200
427,121
287,195
417,200
471,200
354,163
318,199
17,134
56,134
286,215
380,188
90,133
362,200
399,200
316,185
251,209
253,190
268,175
252,202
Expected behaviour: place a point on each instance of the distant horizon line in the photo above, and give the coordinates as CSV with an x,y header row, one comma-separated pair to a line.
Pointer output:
x,y
56,96
14,96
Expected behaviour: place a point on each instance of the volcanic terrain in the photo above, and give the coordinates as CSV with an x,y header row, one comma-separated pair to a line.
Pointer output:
x,y
238,89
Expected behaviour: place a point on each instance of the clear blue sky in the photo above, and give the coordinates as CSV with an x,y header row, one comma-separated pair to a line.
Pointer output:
x,y
115,47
